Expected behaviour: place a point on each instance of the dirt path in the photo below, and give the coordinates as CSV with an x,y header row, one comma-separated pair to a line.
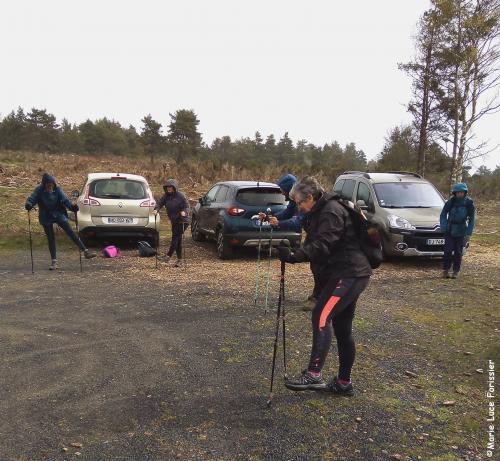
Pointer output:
x,y
136,363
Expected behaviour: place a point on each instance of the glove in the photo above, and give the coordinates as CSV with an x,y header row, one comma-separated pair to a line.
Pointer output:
x,y
75,208
28,207
466,241
285,253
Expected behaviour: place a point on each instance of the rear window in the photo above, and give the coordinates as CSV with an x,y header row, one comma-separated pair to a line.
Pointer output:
x,y
260,196
118,188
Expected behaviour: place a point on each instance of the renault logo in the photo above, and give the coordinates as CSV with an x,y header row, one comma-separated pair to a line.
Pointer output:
x,y
120,204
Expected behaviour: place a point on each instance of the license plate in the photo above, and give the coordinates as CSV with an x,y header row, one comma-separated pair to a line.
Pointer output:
x,y
263,224
120,220
435,241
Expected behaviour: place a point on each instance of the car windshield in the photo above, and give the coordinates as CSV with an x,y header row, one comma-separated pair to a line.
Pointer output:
x,y
260,196
407,195
125,189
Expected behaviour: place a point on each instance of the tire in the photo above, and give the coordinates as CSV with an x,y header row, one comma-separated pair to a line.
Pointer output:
x,y
196,235
224,251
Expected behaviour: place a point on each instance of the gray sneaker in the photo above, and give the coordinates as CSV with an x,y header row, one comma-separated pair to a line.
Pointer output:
x,y
454,275
305,381
53,265
179,263
446,274
309,304
89,254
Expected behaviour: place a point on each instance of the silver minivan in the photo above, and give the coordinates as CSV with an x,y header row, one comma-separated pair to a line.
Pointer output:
x,y
116,205
404,207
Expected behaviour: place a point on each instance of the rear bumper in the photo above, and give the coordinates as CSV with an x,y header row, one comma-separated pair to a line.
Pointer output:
x,y
251,239
117,231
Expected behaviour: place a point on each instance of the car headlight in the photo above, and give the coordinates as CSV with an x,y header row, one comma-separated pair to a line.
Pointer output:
x,y
399,223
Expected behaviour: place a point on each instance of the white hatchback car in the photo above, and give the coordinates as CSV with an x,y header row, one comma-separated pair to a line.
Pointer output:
x,y
116,205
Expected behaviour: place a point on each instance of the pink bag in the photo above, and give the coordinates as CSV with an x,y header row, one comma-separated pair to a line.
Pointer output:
x,y
111,252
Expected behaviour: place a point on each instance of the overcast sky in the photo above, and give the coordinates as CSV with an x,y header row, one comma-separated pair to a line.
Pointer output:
x,y
322,70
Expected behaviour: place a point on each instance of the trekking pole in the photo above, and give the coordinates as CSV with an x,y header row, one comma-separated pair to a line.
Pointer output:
x,y
157,238
31,244
279,313
257,272
269,264
281,300
183,250
78,235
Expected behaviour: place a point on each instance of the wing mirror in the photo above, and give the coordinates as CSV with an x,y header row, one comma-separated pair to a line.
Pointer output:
x,y
362,205
75,194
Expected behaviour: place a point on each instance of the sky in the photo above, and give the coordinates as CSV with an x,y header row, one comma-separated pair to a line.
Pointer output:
x,y
322,70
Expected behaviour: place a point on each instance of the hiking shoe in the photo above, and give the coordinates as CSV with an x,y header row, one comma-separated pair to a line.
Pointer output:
x,y
89,254
53,265
179,263
164,259
454,275
309,304
335,387
305,381
446,274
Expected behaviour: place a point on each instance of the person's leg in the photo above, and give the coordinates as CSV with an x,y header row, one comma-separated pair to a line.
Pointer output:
x,y
65,226
448,250
173,242
178,249
49,232
342,327
458,250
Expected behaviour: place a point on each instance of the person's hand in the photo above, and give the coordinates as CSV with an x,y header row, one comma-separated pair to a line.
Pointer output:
x,y
75,208
285,253
28,207
183,213
155,212
273,221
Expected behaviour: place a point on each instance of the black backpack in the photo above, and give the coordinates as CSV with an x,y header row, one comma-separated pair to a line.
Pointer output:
x,y
369,235
145,249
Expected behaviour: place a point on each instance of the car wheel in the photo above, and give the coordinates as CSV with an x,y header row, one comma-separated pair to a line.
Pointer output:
x,y
196,235
224,251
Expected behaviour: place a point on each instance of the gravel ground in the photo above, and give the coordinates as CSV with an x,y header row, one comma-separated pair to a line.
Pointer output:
x,y
130,362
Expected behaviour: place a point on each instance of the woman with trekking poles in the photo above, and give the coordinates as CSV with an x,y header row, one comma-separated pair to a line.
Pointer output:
x,y
341,271
177,207
52,205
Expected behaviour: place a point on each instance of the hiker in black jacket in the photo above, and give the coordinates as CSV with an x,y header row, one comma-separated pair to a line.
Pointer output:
x,y
342,271
177,206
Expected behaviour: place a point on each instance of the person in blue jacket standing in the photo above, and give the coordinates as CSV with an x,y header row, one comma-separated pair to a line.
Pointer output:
x,y
52,204
457,222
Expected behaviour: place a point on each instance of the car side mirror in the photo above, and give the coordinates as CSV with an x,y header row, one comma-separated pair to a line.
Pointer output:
x,y
75,194
362,205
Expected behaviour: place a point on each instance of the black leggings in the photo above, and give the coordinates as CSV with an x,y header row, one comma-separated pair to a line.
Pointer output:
x,y
64,225
334,313
176,243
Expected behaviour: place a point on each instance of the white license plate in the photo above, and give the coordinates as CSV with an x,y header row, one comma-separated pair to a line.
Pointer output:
x,y
435,241
120,220
263,224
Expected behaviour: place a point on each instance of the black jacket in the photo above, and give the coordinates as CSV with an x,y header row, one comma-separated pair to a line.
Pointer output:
x,y
174,203
332,245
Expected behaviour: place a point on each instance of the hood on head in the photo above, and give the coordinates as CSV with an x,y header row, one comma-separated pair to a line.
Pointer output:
x,y
170,183
286,182
47,179
460,187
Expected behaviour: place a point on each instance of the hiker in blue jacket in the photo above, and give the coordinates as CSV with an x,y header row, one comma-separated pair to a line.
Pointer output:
x,y
457,222
177,206
52,204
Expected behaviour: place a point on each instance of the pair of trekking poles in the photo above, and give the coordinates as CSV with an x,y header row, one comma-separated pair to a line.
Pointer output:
x,y
31,242
280,311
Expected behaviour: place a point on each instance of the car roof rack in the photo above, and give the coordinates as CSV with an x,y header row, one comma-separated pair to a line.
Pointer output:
x,y
366,175
411,173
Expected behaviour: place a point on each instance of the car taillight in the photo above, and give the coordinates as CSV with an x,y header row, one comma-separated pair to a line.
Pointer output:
x,y
235,211
87,200
148,203
91,202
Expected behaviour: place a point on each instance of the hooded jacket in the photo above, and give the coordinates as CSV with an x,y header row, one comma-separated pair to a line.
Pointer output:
x,y
332,244
174,203
51,205
290,218
459,214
